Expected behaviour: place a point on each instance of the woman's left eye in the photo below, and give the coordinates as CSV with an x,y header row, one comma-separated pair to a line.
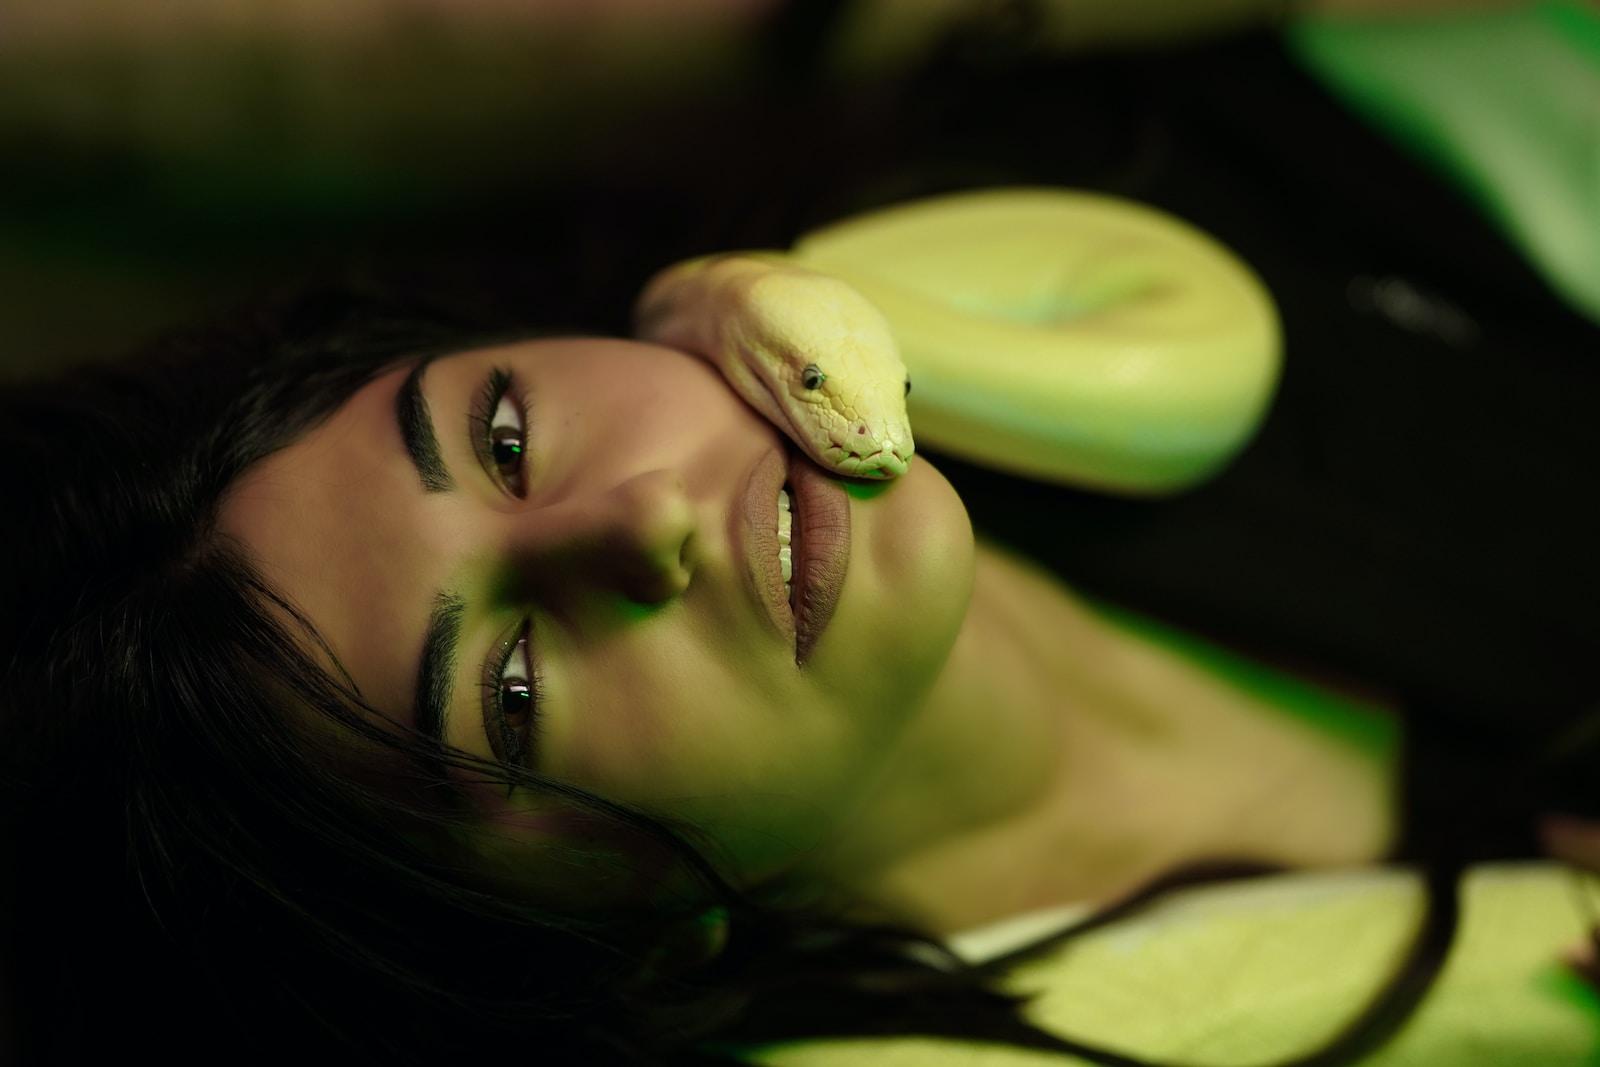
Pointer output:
x,y
512,701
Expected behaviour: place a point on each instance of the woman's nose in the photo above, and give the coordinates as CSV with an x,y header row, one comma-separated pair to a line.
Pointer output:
x,y
635,537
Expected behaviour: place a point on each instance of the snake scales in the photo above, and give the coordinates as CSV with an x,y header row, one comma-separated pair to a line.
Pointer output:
x,y
1067,336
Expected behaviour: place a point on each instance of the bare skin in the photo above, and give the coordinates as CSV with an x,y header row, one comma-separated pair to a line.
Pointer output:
x,y
1151,764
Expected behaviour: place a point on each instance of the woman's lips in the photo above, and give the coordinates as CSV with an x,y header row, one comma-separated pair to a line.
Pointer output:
x,y
820,549
757,533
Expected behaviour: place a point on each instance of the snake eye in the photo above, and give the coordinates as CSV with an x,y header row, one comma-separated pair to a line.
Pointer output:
x,y
812,376
908,387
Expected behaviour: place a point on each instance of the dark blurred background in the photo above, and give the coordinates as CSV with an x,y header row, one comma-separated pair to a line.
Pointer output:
x,y
1412,180
160,161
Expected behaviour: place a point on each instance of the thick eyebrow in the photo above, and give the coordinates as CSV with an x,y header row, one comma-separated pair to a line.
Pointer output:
x,y
436,674
416,430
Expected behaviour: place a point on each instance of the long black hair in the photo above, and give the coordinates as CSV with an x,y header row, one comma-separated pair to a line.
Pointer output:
x,y
194,864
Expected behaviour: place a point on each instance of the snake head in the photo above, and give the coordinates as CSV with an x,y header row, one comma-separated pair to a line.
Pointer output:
x,y
834,371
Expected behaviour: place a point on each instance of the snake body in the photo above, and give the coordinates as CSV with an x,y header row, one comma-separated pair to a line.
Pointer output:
x,y
1066,336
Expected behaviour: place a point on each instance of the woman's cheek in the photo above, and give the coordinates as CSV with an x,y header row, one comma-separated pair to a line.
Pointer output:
x,y
666,711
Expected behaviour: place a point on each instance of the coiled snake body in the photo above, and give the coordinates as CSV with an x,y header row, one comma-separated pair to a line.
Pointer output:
x,y
1067,336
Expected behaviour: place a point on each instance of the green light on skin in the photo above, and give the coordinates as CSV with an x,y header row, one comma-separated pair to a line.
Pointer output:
x,y
1338,717
629,610
864,490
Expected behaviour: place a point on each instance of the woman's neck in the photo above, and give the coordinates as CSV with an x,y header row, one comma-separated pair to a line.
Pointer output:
x,y
1062,760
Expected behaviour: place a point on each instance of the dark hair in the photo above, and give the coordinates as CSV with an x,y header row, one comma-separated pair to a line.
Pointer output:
x,y
191,869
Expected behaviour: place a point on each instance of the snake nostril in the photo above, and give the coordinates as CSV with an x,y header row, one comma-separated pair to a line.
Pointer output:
x,y
861,430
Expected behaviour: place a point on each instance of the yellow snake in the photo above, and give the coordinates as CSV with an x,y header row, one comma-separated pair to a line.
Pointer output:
x,y
1067,336
806,350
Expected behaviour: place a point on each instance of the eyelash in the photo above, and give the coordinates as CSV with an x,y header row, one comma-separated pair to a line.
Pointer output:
x,y
496,387
509,745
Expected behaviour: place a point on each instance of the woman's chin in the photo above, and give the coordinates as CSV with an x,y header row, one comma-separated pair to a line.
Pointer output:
x,y
905,593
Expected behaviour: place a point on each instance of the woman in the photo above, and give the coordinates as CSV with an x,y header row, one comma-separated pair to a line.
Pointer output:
x,y
362,682
238,835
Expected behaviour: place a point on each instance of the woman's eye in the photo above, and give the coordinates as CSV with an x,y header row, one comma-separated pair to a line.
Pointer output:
x,y
499,431
506,443
511,710
516,688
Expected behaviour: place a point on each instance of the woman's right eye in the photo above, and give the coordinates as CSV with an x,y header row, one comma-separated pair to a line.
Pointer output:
x,y
506,443
500,418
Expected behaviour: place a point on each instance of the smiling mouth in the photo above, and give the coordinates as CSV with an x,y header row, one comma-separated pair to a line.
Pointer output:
x,y
818,549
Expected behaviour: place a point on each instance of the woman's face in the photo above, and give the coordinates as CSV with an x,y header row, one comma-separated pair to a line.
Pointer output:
x,y
612,542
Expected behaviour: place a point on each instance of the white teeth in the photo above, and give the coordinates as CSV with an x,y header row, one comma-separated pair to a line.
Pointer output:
x,y
785,530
